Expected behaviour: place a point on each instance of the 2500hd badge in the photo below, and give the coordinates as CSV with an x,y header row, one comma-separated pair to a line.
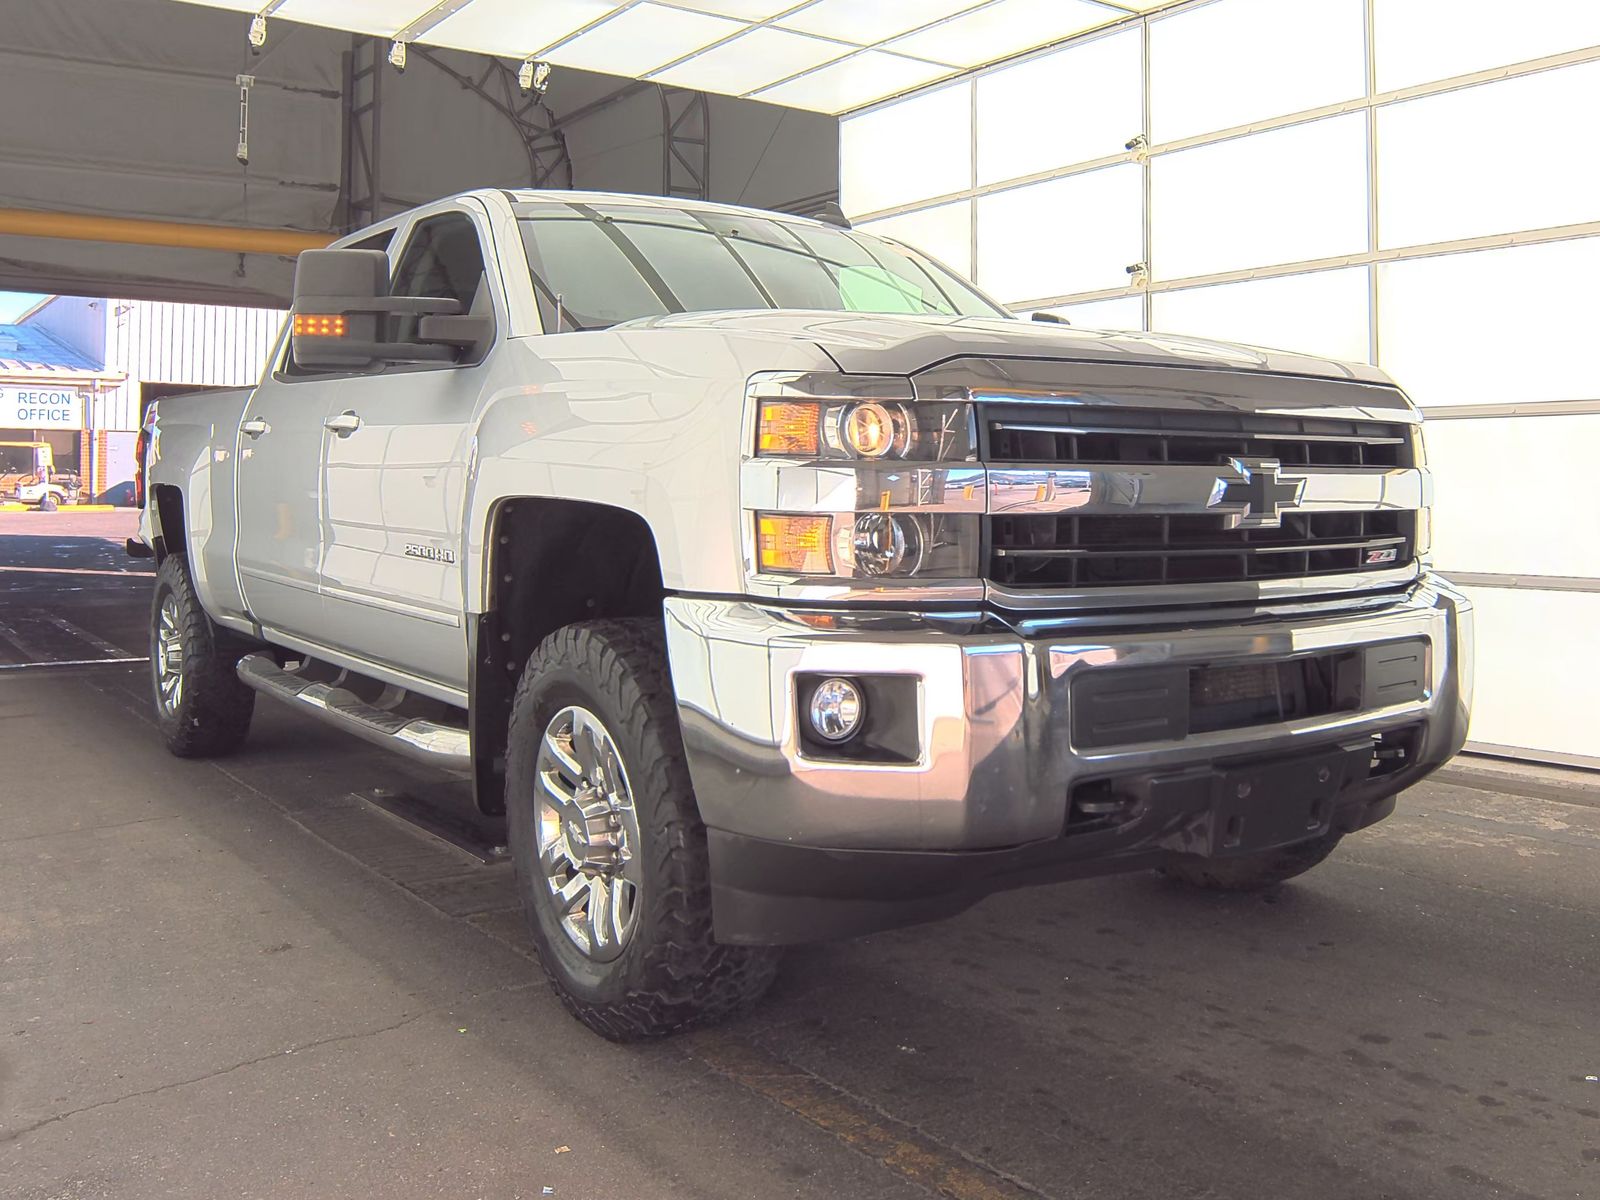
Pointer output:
x,y
431,553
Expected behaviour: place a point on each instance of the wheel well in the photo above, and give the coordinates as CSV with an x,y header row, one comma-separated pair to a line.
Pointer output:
x,y
171,533
550,563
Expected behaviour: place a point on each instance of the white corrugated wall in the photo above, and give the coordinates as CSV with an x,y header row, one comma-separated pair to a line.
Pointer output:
x,y
201,344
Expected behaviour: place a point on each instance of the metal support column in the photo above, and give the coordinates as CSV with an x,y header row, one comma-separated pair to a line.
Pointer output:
x,y
361,176
685,144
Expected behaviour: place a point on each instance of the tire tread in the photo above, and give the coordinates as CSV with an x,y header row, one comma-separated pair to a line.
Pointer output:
x,y
216,708
687,978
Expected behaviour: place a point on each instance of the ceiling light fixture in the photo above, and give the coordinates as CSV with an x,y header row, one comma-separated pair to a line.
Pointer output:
x,y
534,75
258,24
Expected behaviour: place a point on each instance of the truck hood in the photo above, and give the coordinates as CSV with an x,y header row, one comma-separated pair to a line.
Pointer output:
x,y
864,343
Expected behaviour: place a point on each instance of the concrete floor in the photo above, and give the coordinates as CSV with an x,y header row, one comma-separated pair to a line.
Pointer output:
x,y
246,979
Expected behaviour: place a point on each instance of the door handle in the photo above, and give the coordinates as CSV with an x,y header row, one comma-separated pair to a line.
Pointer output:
x,y
255,427
344,424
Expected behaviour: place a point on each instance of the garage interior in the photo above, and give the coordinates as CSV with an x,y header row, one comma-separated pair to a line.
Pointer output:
x,y
301,971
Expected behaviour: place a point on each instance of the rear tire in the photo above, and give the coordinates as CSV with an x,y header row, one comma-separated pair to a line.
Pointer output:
x,y
203,709
600,691
1252,872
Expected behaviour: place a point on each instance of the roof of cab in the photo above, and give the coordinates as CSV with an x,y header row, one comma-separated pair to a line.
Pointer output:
x,y
531,196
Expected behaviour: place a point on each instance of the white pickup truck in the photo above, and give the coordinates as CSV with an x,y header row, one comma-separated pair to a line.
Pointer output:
x,y
780,586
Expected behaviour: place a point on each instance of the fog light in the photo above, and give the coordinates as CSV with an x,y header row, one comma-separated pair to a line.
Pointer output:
x,y
836,710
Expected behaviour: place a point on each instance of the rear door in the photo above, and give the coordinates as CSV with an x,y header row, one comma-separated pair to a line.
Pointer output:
x,y
278,481
396,473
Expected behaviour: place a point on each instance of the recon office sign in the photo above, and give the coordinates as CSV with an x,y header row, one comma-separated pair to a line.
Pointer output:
x,y
40,408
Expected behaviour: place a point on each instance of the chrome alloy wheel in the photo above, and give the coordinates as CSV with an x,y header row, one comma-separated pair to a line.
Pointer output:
x,y
169,657
588,834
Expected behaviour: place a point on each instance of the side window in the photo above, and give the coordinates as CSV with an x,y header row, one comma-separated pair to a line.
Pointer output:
x,y
378,241
442,258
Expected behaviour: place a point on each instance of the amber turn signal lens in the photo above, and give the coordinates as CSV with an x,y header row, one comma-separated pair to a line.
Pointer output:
x,y
789,429
794,545
315,325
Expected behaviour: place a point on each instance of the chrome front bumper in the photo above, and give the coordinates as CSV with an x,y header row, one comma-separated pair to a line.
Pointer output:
x,y
997,761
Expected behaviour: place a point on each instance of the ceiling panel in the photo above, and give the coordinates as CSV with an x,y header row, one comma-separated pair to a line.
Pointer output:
x,y
1002,28
852,82
515,27
829,56
380,17
865,24
744,10
752,61
641,39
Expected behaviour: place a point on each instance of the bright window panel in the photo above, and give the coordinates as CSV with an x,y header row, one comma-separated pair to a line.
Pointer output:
x,y
1324,313
1491,159
1419,41
1494,326
864,78
1125,312
1240,61
913,150
753,60
1072,106
1286,196
638,40
865,24
944,233
1077,234
1474,527
1537,670
491,26
1003,28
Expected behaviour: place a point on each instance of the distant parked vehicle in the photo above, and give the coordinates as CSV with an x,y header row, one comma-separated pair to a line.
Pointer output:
x,y
36,481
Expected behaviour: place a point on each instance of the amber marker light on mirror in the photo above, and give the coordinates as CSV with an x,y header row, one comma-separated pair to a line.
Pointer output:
x,y
319,325
789,429
794,545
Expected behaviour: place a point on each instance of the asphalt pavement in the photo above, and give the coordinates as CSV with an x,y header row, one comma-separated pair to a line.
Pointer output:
x,y
250,978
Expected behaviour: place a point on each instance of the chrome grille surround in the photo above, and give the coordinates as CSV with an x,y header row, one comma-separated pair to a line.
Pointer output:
x,y
1132,486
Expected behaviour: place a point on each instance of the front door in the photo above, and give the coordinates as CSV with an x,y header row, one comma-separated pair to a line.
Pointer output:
x,y
397,454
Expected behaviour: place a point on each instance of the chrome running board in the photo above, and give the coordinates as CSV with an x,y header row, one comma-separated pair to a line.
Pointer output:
x,y
416,738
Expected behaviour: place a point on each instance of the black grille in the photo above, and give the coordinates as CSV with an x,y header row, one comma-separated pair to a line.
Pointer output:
x,y
1129,551
1056,435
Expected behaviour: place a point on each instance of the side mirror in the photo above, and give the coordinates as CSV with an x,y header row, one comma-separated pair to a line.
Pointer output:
x,y
341,310
337,320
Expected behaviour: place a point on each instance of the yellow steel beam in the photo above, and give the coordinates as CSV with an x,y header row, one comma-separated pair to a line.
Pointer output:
x,y
133,231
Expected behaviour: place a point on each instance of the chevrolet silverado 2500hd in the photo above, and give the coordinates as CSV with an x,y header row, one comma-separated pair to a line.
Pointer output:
x,y
780,586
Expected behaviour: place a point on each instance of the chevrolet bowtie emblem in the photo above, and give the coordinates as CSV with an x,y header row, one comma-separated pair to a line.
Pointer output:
x,y
1251,493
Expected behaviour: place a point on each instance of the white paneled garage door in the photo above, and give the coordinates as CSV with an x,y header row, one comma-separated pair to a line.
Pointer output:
x,y
1408,182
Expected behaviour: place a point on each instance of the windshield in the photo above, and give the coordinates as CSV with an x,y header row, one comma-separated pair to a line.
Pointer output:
x,y
614,263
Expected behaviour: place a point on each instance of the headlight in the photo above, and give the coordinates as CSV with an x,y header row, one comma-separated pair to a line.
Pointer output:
x,y
868,430
850,480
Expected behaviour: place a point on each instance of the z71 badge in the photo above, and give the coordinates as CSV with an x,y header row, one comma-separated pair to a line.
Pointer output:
x,y
431,553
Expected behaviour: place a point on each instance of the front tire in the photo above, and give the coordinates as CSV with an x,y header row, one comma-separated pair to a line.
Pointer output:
x,y
1252,872
203,709
606,839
